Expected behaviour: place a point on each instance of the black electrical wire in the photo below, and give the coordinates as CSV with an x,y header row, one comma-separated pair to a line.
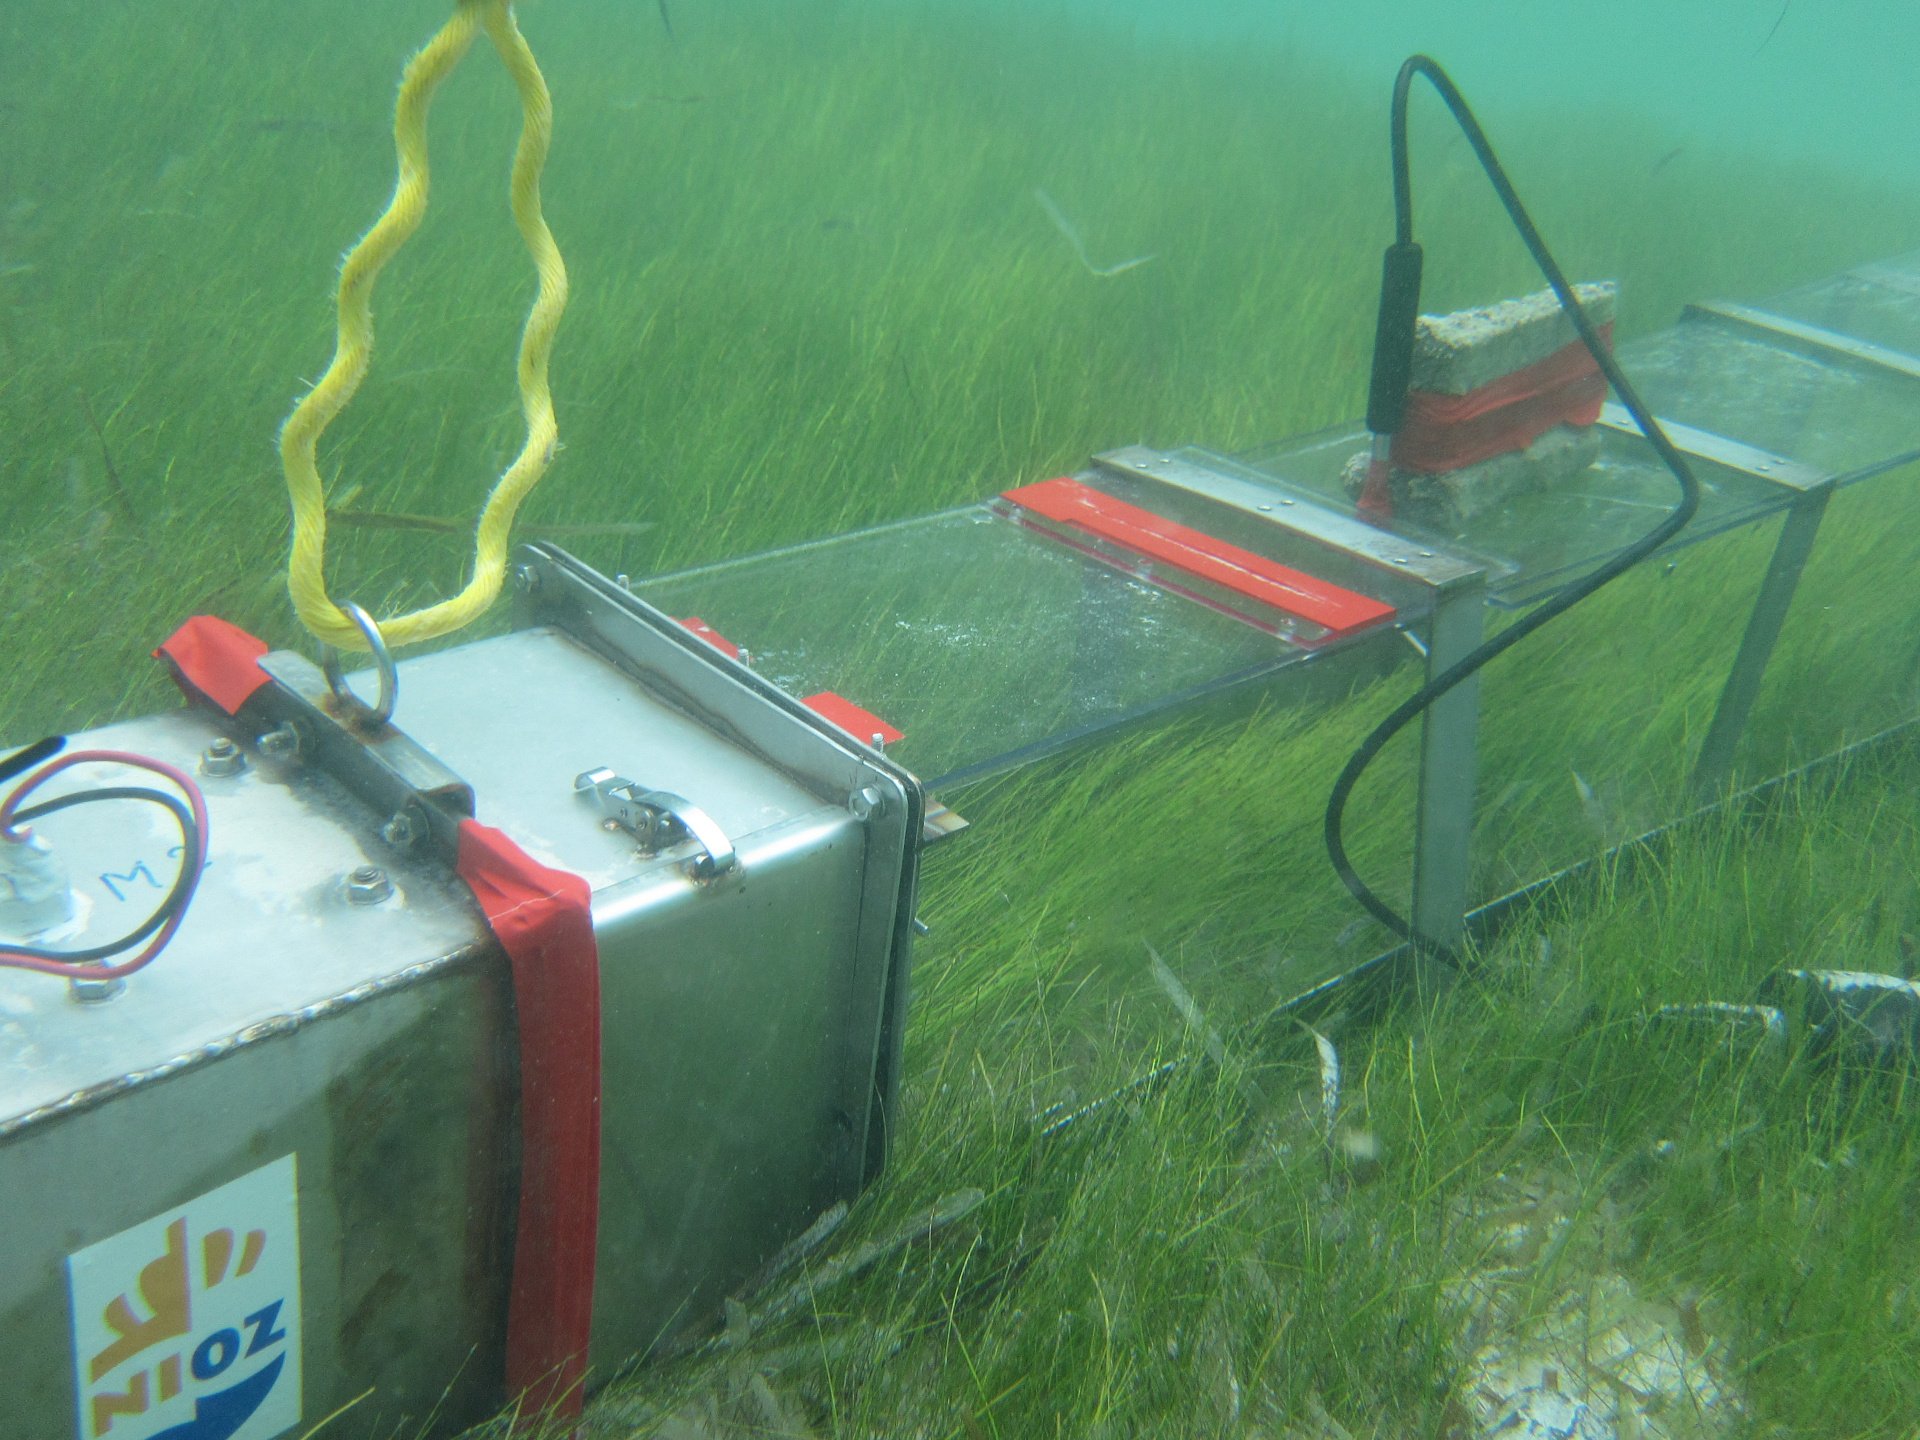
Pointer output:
x,y
29,756
176,895
1566,599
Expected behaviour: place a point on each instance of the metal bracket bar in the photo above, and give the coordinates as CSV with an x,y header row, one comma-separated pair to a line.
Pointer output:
x,y
1790,552
1809,337
298,717
1449,735
1343,534
1732,454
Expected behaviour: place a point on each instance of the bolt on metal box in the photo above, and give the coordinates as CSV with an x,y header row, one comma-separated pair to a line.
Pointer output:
x,y
335,995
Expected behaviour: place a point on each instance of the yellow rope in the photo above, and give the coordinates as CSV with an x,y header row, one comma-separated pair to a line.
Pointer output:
x,y
306,577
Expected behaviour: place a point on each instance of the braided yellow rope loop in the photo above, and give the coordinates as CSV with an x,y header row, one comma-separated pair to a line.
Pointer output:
x,y
306,565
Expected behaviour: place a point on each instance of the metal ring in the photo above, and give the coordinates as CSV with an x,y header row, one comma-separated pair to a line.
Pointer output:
x,y
382,710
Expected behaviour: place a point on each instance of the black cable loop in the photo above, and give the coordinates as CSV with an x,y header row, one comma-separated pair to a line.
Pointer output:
x,y
1564,600
171,902
28,756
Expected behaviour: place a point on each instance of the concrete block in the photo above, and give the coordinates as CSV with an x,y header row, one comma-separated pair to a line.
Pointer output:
x,y
1455,353
1445,502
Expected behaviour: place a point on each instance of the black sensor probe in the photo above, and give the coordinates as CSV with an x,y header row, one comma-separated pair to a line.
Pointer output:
x,y
1386,407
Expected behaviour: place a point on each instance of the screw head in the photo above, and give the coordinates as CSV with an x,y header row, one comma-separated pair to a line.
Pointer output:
x,y
368,885
222,757
284,741
526,579
402,830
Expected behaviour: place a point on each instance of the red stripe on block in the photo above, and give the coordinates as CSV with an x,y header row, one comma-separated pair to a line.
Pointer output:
x,y
217,659
863,725
544,921
1450,432
1070,503
712,636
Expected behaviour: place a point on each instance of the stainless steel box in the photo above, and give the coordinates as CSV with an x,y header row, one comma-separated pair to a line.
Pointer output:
x,y
750,1021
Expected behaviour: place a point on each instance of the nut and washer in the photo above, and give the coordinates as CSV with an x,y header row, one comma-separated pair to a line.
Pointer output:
x,y
526,579
94,992
222,758
867,802
368,885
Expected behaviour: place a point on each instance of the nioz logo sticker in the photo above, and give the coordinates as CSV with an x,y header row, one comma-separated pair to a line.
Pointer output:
x,y
187,1327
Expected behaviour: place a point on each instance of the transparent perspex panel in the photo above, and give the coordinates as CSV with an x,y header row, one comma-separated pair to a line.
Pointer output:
x,y
990,643
1593,731
1590,730
1831,414
1535,543
1847,663
984,642
1879,303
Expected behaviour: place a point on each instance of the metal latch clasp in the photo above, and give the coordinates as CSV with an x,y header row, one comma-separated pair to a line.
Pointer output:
x,y
659,818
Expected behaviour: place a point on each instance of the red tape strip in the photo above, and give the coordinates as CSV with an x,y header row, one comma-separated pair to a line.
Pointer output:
x,y
1451,432
544,921
216,659
863,725
1069,502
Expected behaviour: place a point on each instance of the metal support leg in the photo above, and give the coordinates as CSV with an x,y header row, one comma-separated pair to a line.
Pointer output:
x,y
1715,765
1448,739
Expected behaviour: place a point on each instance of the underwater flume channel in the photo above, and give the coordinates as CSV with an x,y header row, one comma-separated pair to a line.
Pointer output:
x,y
815,291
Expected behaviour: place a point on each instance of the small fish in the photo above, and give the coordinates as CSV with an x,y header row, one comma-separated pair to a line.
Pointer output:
x,y
435,525
1188,1007
1776,27
302,124
569,532
1066,228
386,520
637,101
1666,159
1592,804
1329,1081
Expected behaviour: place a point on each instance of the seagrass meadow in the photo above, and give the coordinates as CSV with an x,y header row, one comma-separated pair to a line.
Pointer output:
x,y
813,290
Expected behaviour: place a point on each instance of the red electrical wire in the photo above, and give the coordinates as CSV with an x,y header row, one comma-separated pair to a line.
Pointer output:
x,y
193,859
